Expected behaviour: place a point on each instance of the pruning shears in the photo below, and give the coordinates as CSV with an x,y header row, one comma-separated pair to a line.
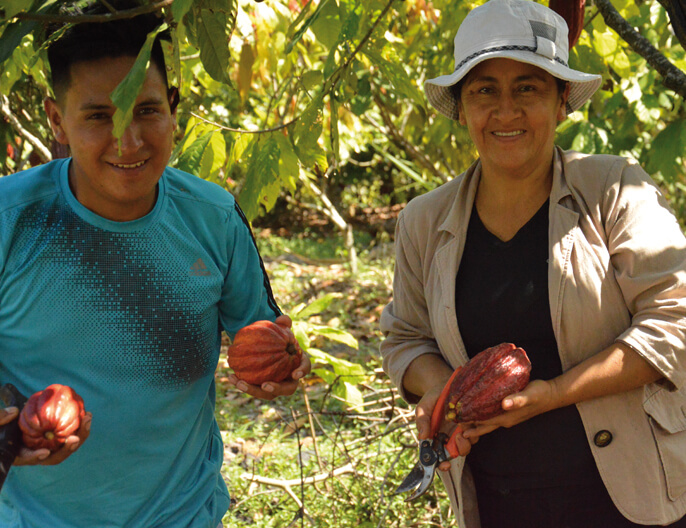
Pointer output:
x,y
439,448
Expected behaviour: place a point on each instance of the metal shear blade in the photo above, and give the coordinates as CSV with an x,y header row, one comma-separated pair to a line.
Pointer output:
x,y
422,474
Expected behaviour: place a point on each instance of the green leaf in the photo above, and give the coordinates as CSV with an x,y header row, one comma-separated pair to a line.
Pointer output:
x,y
213,157
335,334
262,173
317,306
289,167
306,25
398,77
180,8
327,25
191,158
305,133
353,372
213,39
12,36
12,7
124,96
606,43
667,150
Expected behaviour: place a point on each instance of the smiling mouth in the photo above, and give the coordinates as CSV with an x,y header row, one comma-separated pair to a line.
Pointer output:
x,y
509,134
128,165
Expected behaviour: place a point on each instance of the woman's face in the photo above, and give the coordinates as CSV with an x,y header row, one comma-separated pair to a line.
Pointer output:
x,y
511,110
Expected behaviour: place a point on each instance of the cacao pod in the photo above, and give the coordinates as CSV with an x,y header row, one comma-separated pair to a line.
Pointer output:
x,y
573,13
478,389
50,416
264,351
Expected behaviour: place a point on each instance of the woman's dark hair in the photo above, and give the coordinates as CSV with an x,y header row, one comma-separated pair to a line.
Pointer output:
x,y
93,41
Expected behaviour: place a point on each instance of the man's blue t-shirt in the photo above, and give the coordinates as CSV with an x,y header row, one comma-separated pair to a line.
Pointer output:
x,y
129,314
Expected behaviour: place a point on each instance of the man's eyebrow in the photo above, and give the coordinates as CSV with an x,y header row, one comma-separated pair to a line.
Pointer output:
x,y
151,101
95,106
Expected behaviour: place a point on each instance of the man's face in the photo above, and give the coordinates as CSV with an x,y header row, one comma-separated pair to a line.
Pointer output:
x,y
116,181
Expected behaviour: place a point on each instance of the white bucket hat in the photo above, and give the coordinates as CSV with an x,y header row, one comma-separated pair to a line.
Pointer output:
x,y
521,30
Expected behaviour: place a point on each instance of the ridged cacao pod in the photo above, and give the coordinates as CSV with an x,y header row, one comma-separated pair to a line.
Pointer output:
x,y
264,351
478,389
573,13
50,416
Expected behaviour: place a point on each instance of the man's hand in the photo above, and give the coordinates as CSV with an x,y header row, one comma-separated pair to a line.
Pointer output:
x,y
43,457
271,389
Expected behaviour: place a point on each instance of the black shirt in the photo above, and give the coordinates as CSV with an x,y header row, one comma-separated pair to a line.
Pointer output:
x,y
502,296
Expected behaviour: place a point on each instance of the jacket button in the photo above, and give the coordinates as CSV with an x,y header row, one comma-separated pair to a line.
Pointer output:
x,y
602,438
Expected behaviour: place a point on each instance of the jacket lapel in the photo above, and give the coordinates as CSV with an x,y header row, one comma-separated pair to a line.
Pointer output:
x,y
448,256
562,232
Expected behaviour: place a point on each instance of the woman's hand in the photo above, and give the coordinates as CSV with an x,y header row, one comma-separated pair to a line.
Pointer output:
x,y
43,457
536,398
423,412
271,389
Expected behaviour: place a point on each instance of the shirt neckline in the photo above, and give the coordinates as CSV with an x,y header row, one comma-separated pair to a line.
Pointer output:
x,y
103,223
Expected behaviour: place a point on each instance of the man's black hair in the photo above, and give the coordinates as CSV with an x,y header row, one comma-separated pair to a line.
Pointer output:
x,y
97,40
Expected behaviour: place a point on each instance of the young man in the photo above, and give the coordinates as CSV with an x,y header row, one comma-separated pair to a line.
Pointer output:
x,y
117,275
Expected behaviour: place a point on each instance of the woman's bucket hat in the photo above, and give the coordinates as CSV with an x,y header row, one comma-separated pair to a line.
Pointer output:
x,y
521,30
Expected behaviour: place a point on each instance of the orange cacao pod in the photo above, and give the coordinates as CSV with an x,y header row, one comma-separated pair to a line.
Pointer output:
x,y
573,13
50,416
264,351
477,390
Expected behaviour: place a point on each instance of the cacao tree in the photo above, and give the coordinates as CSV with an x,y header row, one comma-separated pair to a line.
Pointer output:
x,y
320,103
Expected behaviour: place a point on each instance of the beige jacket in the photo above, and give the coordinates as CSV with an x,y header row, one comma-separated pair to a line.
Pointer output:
x,y
617,272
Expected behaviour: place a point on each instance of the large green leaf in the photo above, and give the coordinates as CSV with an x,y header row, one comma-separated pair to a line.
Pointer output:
x,y
261,175
307,24
125,94
305,134
326,26
13,35
666,153
397,76
180,8
190,159
213,33
12,7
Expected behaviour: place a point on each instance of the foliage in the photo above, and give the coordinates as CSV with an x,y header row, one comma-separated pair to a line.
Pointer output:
x,y
359,453
322,98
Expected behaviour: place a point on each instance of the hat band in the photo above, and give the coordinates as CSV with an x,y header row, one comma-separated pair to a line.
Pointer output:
x,y
532,49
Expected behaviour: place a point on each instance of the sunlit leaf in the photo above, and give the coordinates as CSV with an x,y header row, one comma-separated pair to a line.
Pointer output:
x,y
262,173
305,134
666,153
125,94
306,25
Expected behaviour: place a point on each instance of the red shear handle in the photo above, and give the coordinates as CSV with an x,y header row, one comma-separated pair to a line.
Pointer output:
x,y
451,444
439,410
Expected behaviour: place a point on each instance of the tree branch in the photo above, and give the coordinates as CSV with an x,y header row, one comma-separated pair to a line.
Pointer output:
x,y
41,149
403,143
109,17
676,9
672,77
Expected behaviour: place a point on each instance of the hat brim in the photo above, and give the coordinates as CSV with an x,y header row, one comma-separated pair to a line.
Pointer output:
x,y
582,85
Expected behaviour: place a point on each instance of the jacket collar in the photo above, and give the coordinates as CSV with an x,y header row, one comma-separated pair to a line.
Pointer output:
x,y
457,219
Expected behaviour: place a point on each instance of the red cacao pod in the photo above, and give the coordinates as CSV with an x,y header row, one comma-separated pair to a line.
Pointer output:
x,y
478,389
50,416
264,351
573,13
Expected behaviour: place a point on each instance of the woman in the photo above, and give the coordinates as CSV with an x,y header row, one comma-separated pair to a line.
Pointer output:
x,y
575,258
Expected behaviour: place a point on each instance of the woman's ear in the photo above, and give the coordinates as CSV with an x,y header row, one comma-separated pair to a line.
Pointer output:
x,y
562,110
54,113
